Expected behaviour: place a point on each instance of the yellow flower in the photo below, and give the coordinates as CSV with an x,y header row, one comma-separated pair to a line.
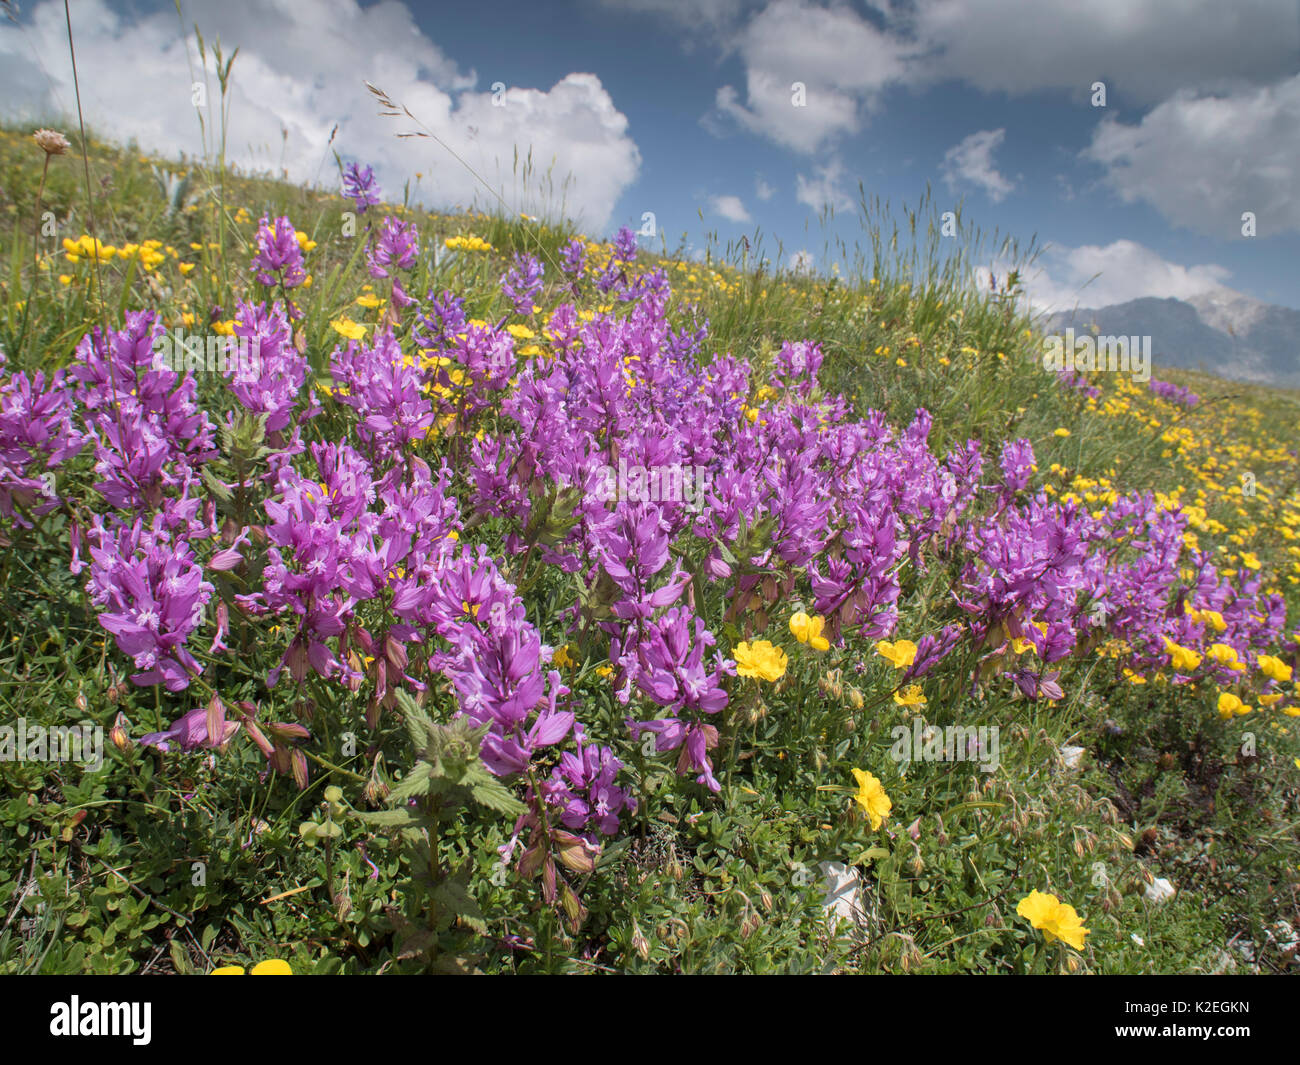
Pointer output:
x,y
902,653
184,268
346,327
470,243
563,659
1054,918
304,241
872,798
1214,618
1061,432
605,671
809,630
762,660
1274,668
271,967
1225,656
910,696
1229,704
1183,659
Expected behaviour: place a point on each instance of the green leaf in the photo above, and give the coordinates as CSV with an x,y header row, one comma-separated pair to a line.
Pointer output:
x,y
403,818
414,785
215,485
454,898
491,793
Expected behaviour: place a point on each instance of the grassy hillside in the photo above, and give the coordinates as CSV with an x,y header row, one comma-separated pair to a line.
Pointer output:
x,y
1121,605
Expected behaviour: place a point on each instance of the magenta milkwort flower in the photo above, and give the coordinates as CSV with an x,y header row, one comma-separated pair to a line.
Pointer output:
x,y
522,282
582,787
1029,564
386,388
274,378
278,260
797,366
395,246
437,330
625,248
624,253
573,257
1018,465
1173,393
190,733
151,596
150,434
323,559
496,662
966,465
36,436
931,650
485,356
665,659
359,183
1078,382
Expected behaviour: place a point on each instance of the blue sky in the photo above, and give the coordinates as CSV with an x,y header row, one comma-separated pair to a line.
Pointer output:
x,y
687,108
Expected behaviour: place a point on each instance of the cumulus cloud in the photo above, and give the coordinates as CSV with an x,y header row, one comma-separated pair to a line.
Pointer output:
x,y
730,207
801,262
300,70
1094,275
762,189
839,57
845,55
1201,161
1145,51
971,162
824,188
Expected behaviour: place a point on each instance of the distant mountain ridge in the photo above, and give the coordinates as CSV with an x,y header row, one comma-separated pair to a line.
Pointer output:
x,y
1220,331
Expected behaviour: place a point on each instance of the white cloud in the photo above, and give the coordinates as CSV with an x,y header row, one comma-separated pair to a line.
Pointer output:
x,y
300,69
762,189
824,188
730,207
839,57
1097,276
1144,50
801,262
971,162
1203,160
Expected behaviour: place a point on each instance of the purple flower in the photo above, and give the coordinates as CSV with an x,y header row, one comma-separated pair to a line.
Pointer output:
x,y
582,787
522,282
573,257
37,434
278,260
359,183
387,389
151,596
190,733
395,246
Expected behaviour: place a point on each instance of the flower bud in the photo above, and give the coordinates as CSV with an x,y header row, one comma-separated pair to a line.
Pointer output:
x,y
118,734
